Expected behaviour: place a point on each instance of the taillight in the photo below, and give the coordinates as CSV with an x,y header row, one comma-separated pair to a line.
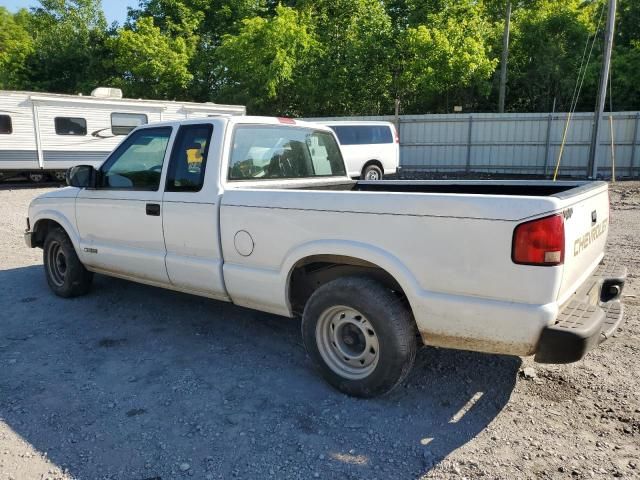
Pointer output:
x,y
395,134
539,242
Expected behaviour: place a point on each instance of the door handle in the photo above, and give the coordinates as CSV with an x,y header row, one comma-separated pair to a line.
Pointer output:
x,y
153,209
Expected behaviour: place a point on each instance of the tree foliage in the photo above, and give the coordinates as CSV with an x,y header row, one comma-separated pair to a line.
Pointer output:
x,y
149,63
16,45
324,57
446,57
259,65
67,39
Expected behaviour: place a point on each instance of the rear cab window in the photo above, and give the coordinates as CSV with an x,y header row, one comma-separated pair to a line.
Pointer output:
x,y
363,134
276,152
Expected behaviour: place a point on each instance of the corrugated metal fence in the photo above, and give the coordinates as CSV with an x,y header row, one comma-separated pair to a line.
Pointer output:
x,y
513,143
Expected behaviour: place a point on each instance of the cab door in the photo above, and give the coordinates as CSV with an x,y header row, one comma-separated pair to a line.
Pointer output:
x,y
190,207
120,221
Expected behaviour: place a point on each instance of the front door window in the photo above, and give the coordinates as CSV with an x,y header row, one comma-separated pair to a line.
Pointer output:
x,y
137,163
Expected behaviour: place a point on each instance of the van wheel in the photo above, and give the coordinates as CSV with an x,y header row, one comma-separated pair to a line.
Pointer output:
x,y
66,275
372,172
360,335
37,177
60,175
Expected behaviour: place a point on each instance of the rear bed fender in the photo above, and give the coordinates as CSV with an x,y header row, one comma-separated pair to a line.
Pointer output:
x,y
346,248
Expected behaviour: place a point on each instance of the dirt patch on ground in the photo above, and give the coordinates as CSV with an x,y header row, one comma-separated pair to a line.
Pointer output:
x,y
134,383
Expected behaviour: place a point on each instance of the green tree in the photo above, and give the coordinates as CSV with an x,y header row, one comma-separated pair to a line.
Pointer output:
x,y
352,71
202,23
443,60
260,64
15,47
625,61
547,41
68,40
150,64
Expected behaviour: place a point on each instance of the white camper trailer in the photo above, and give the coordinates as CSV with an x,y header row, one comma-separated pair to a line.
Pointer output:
x,y
43,134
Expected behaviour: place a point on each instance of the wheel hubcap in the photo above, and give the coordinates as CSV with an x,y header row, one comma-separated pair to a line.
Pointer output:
x,y
347,342
372,175
57,262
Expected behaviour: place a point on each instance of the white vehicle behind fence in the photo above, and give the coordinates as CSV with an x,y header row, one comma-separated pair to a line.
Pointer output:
x,y
370,149
43,134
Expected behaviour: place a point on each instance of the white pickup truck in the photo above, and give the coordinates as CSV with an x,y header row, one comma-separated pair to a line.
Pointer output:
x,y
259,212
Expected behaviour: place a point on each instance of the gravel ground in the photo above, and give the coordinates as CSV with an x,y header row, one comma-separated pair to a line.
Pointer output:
x,y
136,383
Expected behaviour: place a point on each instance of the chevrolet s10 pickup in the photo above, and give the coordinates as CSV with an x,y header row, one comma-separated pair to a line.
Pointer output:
x,y
260,212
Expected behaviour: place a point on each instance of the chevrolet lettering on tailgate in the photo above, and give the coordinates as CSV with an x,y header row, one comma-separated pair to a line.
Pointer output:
x,y
583,241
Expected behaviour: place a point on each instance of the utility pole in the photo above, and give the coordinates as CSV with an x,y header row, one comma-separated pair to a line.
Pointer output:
x,y
592,172
505,58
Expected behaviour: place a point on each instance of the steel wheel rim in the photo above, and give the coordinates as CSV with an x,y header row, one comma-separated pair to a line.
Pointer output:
x,y
347,342
36,177
57,262
372,175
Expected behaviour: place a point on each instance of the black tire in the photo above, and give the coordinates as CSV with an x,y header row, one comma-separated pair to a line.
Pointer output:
x,y
382,311
372,172
37,177
60,176
66,275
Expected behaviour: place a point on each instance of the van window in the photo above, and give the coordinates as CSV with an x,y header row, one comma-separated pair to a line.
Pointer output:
x,y
70,126
6,126
363,134
123,123
268,152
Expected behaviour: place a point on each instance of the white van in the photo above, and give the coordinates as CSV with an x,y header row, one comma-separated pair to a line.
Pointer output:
x,y
370,149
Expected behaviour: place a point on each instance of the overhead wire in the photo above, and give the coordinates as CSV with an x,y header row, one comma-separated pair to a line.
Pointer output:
x,y
582,73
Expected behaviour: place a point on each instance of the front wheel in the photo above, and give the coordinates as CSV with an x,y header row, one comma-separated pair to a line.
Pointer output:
x,y
360,335
66,275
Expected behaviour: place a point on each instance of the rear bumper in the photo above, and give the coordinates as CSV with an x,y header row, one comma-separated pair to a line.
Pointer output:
x,y
589,318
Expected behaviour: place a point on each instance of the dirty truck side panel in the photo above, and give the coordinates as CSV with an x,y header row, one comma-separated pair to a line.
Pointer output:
x,y
456,272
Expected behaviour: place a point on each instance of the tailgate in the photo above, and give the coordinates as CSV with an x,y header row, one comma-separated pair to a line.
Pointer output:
x,y
586,228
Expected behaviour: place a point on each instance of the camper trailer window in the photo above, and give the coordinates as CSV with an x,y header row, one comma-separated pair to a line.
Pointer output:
x,y
5,125
70,126
123,123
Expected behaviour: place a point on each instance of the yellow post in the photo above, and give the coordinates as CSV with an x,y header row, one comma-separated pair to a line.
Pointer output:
x,y
564,139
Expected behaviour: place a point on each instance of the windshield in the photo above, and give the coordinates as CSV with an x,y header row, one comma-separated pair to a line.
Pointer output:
x,y
273,151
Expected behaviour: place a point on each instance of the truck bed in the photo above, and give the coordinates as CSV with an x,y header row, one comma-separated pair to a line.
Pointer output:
x,y
535,188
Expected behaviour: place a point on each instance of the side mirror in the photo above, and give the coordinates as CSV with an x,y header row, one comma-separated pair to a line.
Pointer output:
x,y
82,176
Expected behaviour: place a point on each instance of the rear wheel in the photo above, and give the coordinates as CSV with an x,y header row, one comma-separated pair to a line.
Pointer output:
x,y
361,336
372,172
66,275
